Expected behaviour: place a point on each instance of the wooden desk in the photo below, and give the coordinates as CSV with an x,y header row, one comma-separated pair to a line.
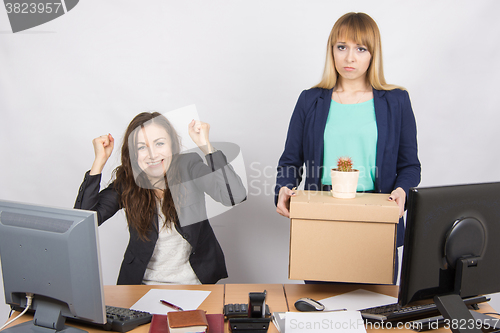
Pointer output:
x,y
280,298
126,296
320,291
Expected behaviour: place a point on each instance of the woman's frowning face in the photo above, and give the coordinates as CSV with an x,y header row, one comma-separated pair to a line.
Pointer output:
x,y
351,60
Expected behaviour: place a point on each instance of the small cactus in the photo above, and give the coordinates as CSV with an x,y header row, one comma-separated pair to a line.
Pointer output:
x,y
344,164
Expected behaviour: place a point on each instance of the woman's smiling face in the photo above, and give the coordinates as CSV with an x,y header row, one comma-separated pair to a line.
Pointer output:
x,y
154,152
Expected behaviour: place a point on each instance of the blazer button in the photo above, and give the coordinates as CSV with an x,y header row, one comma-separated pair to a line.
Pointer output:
x,y
186,236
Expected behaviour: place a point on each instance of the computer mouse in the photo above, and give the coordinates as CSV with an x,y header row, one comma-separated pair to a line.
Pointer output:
x,y
308,304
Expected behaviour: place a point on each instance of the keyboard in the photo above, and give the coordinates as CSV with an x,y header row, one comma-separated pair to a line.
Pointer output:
x,y
119,319
394,312
124,319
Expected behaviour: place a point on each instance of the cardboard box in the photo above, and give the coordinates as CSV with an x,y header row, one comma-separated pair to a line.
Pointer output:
x,y
345,240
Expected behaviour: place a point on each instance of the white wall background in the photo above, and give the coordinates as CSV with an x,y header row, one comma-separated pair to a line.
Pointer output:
x,y
243,63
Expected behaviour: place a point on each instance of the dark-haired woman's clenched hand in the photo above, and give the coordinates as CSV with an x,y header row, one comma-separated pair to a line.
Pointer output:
x,y
103,147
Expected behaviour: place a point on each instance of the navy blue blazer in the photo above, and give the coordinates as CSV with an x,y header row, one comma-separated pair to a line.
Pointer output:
x,y
397,162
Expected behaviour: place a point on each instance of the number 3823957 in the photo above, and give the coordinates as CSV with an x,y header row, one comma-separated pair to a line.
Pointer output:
x,y
470,323
32,8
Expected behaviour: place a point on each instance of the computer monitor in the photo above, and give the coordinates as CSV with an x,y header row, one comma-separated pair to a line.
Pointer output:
x,y
452,243
52,253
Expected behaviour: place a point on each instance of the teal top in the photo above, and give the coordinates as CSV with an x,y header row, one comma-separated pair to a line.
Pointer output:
x,y
351,130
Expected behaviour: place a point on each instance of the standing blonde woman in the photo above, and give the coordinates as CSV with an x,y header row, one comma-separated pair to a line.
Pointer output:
x,y
353,112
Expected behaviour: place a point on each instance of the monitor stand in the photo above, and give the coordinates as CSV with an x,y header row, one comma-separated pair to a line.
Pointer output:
x,y
463,249
453,308
47,319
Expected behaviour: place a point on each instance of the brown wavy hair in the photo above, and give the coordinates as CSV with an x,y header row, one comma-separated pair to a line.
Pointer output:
x,y
137,194
361,29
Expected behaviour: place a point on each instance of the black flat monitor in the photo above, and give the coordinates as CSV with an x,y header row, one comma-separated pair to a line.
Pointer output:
x,y
452,243
52,253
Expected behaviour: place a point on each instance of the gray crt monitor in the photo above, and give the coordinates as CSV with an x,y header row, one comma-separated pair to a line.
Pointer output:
x,y
54,254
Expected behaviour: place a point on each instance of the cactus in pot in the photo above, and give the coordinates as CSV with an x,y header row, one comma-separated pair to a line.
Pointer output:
x,y
344,179
344,164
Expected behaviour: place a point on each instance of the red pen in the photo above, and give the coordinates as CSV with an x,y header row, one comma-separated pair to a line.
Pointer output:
x,y
178,308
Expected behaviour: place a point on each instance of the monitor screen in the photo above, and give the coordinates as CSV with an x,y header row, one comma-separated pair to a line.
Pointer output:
x,y
52,253
451,242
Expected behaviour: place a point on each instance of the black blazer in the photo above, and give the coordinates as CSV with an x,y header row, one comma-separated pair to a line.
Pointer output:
x,y
218,179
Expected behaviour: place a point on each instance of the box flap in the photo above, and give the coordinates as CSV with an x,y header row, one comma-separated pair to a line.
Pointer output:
x,y
321,205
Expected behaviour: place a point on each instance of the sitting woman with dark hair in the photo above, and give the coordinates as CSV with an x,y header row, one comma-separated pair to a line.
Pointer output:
x,y
163,194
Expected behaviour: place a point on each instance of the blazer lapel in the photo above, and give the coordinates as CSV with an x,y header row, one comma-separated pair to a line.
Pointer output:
x,y
323,108
381,111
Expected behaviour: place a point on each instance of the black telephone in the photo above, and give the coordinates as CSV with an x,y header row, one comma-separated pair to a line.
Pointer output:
x,y
252,318
239,310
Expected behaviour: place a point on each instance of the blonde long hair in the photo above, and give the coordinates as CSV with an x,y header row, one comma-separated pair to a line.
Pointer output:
x,y
361,29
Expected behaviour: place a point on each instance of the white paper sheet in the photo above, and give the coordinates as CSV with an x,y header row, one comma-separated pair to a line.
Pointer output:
x,y
357,300
340,321
186,299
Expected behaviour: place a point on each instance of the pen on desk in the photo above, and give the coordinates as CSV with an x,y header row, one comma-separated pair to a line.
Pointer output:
x,y
178,308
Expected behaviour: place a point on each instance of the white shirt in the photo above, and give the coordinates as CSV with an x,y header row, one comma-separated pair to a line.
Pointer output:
x,y
170,261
